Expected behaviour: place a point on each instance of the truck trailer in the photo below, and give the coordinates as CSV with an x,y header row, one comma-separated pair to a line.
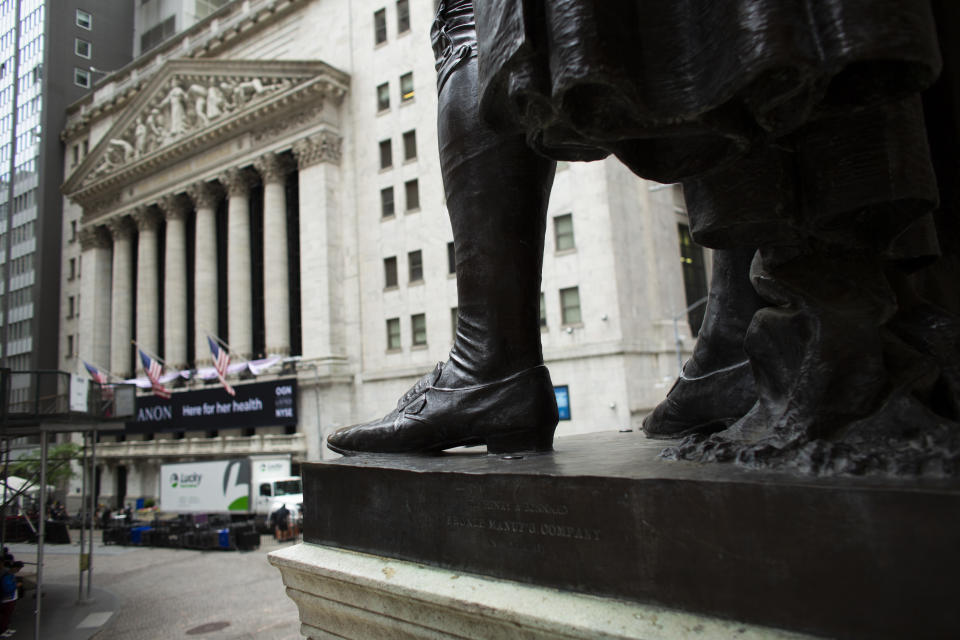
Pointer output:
x,y
249,487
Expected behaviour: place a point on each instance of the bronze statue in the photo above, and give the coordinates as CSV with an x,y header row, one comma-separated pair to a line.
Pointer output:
x,y
797,129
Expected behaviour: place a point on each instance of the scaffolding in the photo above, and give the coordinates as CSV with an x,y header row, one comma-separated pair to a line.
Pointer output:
x,y
36,404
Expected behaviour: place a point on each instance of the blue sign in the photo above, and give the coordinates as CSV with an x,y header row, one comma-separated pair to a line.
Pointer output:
x,y
563,401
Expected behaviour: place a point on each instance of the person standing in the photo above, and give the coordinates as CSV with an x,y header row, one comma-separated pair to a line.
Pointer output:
x,y
281,523
8,596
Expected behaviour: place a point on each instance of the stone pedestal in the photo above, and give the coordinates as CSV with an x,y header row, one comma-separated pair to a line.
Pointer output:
x,y
346,594
605,516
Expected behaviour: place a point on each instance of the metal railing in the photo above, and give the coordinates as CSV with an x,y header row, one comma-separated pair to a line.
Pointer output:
x,y
45,394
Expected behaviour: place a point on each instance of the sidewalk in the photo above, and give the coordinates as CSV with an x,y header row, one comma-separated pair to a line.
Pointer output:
x,y
61,616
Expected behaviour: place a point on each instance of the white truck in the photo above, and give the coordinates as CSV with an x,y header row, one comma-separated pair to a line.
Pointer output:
x,y
254,486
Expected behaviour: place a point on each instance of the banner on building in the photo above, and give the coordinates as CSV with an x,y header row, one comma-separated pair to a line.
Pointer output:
x,y
261,404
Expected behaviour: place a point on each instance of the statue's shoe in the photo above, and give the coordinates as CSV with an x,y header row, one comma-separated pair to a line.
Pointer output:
x,y
517,413
710,402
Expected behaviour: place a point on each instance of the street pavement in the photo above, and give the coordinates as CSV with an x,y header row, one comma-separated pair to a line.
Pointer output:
x,y
144,593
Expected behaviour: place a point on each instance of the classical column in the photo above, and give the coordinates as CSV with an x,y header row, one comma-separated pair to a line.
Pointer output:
x,y
239,281
205,319
276,292
121,324
95,296
321,244
175,283
148,319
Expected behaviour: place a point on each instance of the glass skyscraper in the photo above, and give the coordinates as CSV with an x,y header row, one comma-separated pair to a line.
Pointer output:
x,y
50,53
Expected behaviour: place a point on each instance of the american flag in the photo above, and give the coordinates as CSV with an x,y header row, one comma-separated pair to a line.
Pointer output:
x,y
95,373
221,359
154,369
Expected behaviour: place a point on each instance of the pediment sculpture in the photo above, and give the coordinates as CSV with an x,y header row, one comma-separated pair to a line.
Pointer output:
x,y
183,106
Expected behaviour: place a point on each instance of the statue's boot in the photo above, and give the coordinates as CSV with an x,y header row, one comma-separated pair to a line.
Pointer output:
x,y
716,385
494,389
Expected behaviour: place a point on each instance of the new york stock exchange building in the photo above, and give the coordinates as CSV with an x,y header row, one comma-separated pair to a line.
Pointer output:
x,y
269,176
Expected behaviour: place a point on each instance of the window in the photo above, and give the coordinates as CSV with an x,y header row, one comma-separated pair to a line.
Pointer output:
x,y
81,77
155,35
72,273
84,19
386,202
390,272
451,258
406,87
86,147
393,334
403,16
410,145
386,154
383,97
70,302
69,346
415,266
412,190
81,48
570,305
73,231
453,322
543,310
418,329
76,155
563,232
380,26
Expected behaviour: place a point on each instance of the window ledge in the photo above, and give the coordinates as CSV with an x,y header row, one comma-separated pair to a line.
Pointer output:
x,y
392,287
565,252
392,216
385,169
410,211
418,347
395,350
415,283
572,325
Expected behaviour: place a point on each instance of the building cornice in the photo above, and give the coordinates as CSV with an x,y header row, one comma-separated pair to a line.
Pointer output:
x,y
230,26
275,90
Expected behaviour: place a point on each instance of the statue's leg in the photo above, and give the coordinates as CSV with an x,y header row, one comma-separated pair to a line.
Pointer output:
x,y
735,209
716,386
827,364
494,389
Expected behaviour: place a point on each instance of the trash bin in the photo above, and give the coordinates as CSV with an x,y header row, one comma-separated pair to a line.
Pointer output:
x,y
223,538
137,534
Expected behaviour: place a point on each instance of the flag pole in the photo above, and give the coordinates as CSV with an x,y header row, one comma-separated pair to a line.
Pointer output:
x,y
110,374
150,353
225,346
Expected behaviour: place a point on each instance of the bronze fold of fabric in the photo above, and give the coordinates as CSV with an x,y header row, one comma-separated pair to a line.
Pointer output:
x,y
675,89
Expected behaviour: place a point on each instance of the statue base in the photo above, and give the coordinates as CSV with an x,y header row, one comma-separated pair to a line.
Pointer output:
x,y
604,515
345,594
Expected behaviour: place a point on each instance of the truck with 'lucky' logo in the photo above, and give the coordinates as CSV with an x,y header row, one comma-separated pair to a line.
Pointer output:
x,y
251,487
